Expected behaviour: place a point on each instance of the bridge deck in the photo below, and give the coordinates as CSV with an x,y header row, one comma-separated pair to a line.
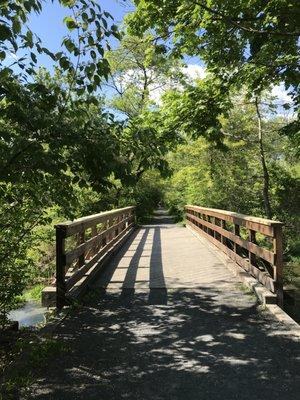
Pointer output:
x,y
164,256
172,323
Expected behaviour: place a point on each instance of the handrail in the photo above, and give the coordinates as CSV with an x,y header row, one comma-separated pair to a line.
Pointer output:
x,y
263,263
106,229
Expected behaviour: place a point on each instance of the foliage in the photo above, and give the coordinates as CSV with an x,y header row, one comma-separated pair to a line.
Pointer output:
x,y
233,179
67,149
81,57
52,129
253,42
186,110
139,72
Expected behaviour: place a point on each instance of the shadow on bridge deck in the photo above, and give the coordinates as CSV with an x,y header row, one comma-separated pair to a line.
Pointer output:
x,y
162,256
166,320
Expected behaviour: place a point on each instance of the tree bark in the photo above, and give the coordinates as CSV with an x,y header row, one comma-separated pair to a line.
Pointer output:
x,y
266,176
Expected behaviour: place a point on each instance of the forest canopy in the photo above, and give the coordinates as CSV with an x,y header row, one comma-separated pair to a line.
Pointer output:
x,y
117,120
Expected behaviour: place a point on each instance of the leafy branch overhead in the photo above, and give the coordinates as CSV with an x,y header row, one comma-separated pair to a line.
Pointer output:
x,y
82,56
253,42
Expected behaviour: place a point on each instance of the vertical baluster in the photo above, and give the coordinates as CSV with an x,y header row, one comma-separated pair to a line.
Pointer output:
x,y
278,262
60,268
214,221
104,227
95,247
236,232
80,240
252,239
204,226
223,226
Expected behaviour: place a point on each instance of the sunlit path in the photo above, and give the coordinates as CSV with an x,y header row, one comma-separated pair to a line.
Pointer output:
x,y
167,320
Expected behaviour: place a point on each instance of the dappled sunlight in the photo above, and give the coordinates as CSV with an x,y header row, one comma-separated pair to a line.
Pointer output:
x,y
182,349
141,334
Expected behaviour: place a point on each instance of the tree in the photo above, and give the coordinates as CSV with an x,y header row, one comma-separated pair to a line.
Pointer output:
x,y
253,42
52,130
138,71
234,179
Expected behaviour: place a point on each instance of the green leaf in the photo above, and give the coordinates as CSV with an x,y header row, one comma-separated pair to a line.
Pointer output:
x,y
33,57
70,23
2,55
97,80
16,26
49,53
69,45
91,40
93,54
64,63
5,32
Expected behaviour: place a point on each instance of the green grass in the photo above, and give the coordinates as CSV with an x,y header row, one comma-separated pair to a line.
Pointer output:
x,y
33,293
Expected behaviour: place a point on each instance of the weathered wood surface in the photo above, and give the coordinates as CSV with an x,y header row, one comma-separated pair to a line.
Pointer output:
x,y
75,267
263,263
163,256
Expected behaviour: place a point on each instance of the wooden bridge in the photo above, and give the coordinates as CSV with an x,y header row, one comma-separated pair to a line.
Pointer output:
x,y
164,255
164,314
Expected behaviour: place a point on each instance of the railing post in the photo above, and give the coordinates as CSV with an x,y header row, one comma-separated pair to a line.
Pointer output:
x,y
215,223
223,226
134,216
278,262
60,268
236,232
117,220
81,239
94,233
252,239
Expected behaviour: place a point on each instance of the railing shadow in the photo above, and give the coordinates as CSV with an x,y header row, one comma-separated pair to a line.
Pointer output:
x,y
155,283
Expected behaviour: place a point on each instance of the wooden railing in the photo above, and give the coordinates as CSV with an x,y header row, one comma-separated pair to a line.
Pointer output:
x,y
81,245
253,243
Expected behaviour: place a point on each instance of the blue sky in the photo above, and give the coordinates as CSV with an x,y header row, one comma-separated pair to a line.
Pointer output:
x,y
50,28
49,24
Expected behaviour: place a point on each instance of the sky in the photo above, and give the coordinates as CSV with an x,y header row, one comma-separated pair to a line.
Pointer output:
x,y
50,28
49,24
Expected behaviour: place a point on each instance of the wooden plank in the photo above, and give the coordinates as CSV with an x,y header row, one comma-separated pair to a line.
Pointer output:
x,y
60,268
81,286
217,213
83,270
278,263
254,248
261,276
81,224
262,225
78,251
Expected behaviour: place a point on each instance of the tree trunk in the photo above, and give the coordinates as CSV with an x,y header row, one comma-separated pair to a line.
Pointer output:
x,y
266,177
